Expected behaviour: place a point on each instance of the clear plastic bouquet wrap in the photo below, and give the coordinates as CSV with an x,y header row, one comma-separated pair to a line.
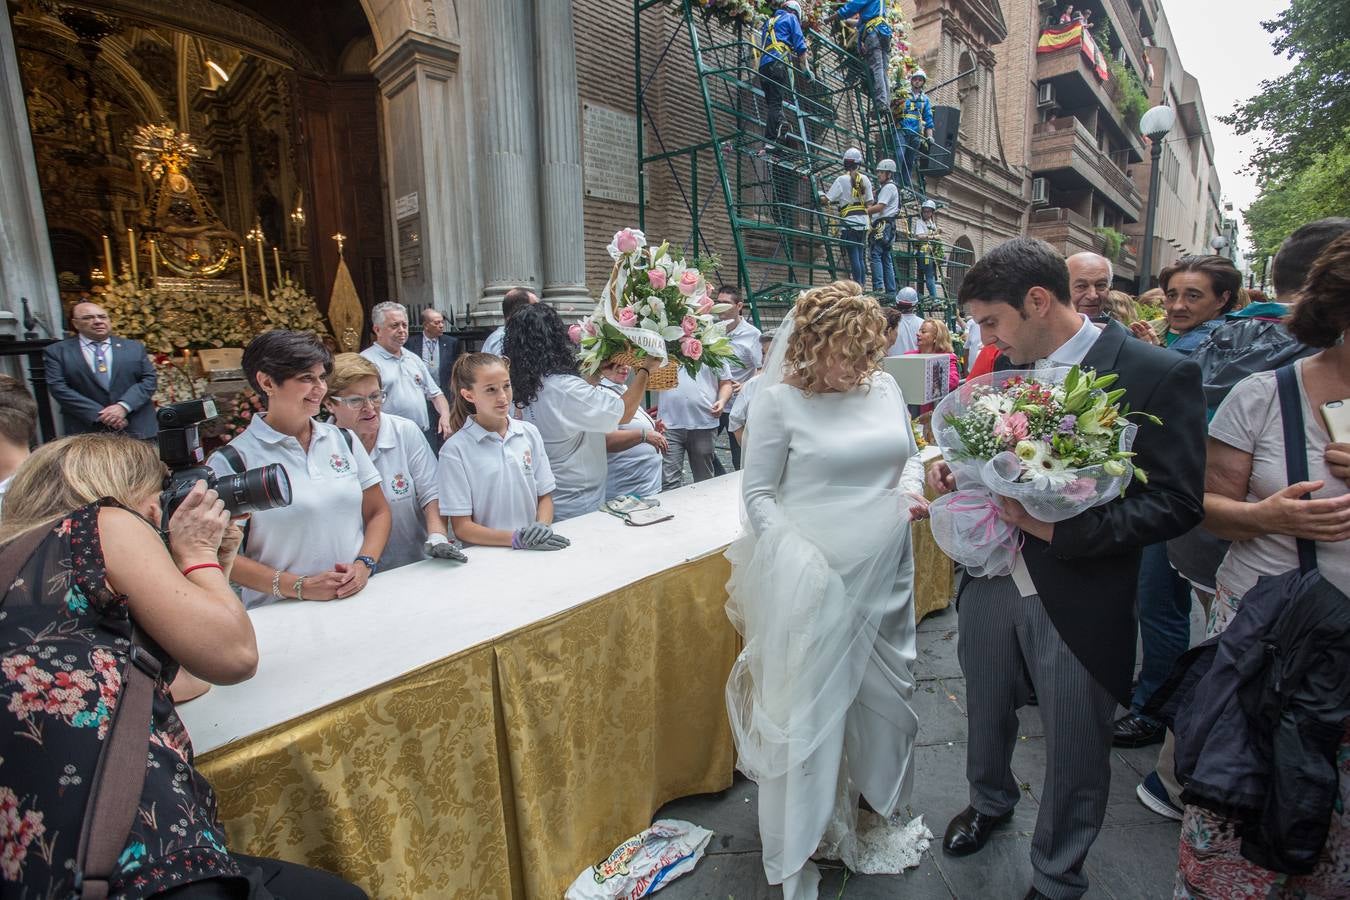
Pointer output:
x,y
1057,441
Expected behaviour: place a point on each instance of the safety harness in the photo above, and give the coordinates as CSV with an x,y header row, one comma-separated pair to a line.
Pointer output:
x,y
771,43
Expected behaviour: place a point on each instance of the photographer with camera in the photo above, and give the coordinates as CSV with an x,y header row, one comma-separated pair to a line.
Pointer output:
x,y
327,542
98,616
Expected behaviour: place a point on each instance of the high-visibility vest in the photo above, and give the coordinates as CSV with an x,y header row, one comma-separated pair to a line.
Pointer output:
x,y
913,112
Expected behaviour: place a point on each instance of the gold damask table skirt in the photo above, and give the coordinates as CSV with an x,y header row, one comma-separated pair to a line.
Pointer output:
x,y
934,578
503,770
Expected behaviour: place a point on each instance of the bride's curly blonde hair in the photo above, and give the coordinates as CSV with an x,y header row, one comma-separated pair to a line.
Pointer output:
x,y
835,326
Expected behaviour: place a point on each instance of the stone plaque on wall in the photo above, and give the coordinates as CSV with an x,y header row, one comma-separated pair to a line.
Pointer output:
x,y
410,248
610,143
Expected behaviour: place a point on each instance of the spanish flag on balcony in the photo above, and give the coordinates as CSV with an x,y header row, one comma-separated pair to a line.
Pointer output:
x,y
1053,39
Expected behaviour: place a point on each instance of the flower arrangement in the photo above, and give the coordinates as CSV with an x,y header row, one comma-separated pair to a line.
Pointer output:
x,y
654,304
1058,442
176,382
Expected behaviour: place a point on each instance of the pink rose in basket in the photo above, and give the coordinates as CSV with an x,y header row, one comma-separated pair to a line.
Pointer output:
x,y
689,325
574,333
627,318
627,240
705,305
656,278
690,281
590,328
691,347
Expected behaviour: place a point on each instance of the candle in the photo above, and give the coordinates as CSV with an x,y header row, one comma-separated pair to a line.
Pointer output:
x,y
243,267
154,264
276,257
107,260
262,268
131,243
187,362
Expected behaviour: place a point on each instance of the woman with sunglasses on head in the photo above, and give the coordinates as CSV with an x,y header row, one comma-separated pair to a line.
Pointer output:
x,y
327,543
400,453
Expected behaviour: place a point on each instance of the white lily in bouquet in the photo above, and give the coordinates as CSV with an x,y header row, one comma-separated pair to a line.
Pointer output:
x,y
1056,441
654,304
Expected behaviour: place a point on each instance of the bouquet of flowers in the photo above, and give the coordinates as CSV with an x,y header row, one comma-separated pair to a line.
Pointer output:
x,y
1057,441
654,304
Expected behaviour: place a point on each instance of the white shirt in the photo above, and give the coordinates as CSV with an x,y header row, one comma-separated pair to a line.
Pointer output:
x,y
323,525
407,470
495,342
889,194
573,417
906,335
741,414
973,343
636,470
921,227
1072,351
687,405
745,339
841,195
497,481
406,381
87,347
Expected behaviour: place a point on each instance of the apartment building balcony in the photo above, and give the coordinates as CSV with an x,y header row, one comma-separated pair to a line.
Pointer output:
x,y
1064,150
1125,22
1069,233
1076,86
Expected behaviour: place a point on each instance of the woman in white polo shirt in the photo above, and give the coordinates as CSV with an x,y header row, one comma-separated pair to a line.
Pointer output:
x,y
327,543
400,453
635,450
572,415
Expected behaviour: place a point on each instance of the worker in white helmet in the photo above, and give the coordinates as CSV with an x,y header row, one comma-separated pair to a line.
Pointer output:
x,y
851,192
883,213
930,251
780,41
916,126
874,47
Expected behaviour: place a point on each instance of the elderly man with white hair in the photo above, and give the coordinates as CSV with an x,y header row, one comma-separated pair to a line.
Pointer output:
x,y
1090,276
408,384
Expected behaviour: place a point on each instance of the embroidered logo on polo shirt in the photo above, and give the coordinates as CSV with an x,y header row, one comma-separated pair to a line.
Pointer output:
x,y
400,485
340,463
526,461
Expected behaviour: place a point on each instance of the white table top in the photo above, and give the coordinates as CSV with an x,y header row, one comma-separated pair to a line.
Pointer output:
x,y
426,611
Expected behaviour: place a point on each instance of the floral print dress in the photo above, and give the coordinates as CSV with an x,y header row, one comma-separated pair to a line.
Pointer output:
x,y
64,640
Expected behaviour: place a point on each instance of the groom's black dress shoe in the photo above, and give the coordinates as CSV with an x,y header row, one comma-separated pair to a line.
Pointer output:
x,y
1133,730
970,829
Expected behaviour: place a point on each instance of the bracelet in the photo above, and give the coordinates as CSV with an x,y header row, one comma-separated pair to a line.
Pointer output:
x,y
276,585
300,588
214,565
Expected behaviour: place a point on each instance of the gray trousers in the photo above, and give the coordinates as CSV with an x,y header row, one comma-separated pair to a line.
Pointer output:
x,y
876,52
1007,643
697,444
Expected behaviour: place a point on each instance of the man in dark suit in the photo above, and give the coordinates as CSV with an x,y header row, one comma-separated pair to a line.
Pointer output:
x,y
439,351
102,382
1063,623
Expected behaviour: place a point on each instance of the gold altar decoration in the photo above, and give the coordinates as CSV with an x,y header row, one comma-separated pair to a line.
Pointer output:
x,y
503,770
344,304
192,240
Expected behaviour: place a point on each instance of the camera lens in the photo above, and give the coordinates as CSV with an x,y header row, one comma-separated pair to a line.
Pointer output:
x,y
256,490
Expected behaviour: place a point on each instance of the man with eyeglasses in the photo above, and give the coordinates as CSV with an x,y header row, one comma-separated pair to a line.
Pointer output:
x,y
101,382
408,384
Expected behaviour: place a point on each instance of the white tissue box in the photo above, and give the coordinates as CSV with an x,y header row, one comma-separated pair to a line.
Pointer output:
x,y
923,377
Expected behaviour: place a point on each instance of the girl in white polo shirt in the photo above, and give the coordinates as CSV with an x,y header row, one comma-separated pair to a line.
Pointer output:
x,y
399,450
572,415
328,542
495,481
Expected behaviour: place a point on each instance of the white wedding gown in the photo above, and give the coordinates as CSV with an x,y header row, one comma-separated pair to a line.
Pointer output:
x,y
821,590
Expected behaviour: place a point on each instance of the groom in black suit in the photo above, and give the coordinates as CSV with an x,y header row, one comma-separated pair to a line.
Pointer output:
x,y
1064,624
102,382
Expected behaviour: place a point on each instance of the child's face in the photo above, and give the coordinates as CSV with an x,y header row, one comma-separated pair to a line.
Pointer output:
x,y
491,392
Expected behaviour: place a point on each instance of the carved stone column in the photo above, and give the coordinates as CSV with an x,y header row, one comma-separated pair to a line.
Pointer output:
x,y
560,188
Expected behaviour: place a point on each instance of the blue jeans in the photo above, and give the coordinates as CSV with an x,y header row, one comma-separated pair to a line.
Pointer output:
x,y
857,261
1164,621
883,264
909,155
928,271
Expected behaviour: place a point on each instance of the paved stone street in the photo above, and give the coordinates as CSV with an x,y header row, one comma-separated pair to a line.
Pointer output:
x,y
1134,856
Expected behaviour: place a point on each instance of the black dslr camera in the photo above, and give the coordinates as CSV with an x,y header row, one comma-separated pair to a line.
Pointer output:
x,y
180,448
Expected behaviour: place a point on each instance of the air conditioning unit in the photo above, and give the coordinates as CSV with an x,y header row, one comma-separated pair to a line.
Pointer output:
x,y
1040,191
1045,94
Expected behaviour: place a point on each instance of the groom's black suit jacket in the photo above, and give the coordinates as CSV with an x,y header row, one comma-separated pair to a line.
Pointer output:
x,y
1087,576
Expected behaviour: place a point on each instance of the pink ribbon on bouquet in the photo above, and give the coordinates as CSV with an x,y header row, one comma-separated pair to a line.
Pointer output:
x,y
975,501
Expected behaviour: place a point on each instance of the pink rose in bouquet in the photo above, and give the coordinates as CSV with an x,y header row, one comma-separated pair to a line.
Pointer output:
x,y
627,240
705,306
689,325
1012,427
574,333
656,278
690,281
692,348
627,318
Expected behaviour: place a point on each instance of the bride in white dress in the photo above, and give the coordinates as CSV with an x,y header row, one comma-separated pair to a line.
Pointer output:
x,y
821,589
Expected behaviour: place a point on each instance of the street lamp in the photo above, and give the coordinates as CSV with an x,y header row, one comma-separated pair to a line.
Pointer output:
x,y
1155,123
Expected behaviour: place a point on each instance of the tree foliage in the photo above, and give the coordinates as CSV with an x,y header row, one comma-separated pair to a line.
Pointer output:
x,y
1300,117
1316,191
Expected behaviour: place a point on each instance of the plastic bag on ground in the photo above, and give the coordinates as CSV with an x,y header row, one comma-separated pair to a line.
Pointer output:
x,y
644,863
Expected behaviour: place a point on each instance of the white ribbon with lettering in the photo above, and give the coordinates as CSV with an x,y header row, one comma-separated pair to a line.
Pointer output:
x,y
652,343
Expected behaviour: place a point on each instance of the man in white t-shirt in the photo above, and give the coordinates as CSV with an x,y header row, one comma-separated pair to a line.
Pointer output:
x,y
882,238
907,332
851,192
515,299
691,411
407,382
745,337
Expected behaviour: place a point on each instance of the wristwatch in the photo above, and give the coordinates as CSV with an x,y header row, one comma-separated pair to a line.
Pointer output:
x,y
369,563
